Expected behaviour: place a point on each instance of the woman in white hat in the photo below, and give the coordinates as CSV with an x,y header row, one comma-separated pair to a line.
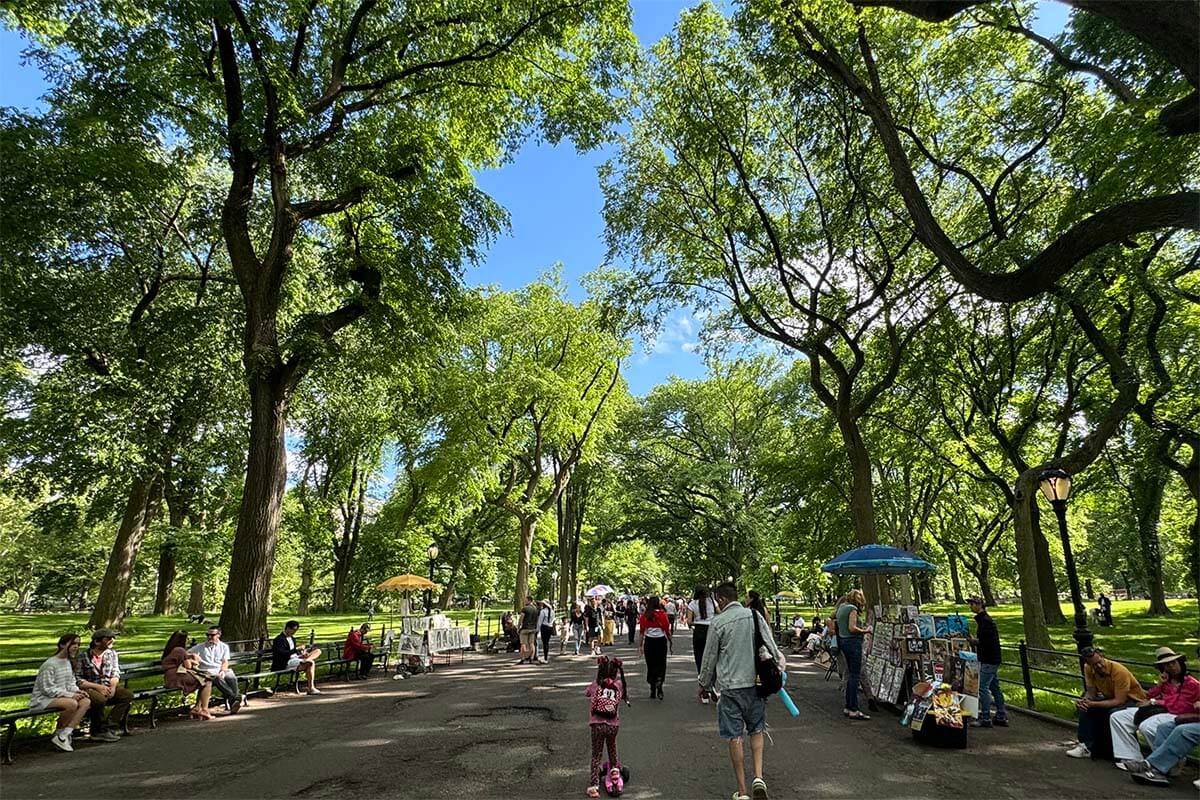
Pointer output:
x,y
1176,692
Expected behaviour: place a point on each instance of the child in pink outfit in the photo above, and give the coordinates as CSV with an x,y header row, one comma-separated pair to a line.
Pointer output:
x,y
606,693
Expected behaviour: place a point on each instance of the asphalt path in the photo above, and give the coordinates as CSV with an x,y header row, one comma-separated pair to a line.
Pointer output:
x,y
489,728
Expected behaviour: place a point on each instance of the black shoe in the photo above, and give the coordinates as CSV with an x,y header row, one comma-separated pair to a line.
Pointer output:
x,y
1000,722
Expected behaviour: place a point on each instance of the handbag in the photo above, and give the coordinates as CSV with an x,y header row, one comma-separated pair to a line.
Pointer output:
x,y
770,678
1146,712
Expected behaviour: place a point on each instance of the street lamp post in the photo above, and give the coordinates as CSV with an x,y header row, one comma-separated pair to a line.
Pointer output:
x,y
775,575
1056,486
433,554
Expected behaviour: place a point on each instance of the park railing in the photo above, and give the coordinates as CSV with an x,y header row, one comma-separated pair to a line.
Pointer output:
x,y
1048,675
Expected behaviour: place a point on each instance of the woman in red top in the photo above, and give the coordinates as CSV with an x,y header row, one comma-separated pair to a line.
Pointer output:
x,y
653,645
358,649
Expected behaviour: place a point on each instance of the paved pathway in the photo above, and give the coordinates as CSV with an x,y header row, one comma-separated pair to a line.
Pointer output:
x,y
491,729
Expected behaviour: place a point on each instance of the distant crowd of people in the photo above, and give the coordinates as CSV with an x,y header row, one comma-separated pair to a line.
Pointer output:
x,y
87,683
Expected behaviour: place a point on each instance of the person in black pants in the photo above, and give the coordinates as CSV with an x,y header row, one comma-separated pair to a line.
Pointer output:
x,y
631,615
654,645
700,613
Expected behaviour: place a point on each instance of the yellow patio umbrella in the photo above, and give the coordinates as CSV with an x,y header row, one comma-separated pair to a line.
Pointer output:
x,y
405,583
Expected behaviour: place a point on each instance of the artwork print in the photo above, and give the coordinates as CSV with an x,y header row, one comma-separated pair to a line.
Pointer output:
x,y
970,682
925,626
953,625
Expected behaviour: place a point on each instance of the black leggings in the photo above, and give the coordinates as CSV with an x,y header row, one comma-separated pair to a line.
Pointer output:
x,y
699,638
656,661
547,632
631,623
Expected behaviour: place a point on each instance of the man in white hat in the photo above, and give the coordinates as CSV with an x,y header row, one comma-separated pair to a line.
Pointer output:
x,y
1176,692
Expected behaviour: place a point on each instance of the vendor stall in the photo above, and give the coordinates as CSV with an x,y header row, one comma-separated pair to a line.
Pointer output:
x,y
920,661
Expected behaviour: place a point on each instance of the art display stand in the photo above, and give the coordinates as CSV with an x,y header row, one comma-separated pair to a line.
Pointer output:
x,y
926,664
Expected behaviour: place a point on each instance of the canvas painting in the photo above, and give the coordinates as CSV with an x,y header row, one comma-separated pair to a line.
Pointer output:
x,y
970,683
939,650
908,613
925,626
956,625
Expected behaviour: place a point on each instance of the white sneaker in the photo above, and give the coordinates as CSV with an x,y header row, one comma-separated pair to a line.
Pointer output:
x,y
314,690
1079,751
62,743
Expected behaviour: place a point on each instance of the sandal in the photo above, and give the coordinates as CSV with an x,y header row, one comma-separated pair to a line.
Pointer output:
x,y
593,791
857,715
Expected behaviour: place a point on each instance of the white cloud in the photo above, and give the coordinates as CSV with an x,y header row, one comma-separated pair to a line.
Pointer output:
x,y
677,334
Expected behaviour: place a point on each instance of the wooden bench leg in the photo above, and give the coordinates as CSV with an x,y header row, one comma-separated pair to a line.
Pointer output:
x,y
8,742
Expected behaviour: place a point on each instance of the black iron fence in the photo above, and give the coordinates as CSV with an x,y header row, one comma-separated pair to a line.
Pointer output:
x,y
1064,669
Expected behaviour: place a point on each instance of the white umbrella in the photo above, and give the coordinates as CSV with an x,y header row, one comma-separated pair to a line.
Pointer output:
x,y
600,590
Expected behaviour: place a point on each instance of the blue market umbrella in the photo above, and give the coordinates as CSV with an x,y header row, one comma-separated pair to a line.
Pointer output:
x,y
877,559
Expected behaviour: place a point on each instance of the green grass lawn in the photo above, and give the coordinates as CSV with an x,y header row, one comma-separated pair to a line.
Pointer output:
x,y
1134,636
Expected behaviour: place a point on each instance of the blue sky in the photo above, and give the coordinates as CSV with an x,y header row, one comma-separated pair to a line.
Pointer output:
x,y
553,197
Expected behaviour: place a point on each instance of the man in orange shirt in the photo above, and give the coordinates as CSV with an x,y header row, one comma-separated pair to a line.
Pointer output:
x,y
1110,687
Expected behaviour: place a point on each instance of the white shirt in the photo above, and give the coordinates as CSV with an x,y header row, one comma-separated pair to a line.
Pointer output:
x,y
55,678
546,618
710,611
212,655
670,607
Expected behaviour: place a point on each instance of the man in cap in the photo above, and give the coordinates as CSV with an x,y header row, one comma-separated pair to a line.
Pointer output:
x,y
1110,687
214,660
987,646
1176,692
100,677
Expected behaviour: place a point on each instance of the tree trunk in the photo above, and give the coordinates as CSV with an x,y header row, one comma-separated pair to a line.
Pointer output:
x,y
306,577
166,578
955,583
114,589
1032,615
177,510
1047,584
1148,484
985,582
248,593
196,596
524,551
862,502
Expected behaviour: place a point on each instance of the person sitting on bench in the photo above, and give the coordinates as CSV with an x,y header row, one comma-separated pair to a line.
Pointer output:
x,y
181,670
286,655
214,661
357,648
57,689
100,677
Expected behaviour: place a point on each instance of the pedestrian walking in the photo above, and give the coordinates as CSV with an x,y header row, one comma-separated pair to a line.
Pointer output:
x,y
654,644
700,613
987,647
729,667
850,643
576,622
592,621
530,614
609,612
546,627
606,693
672,611
631,615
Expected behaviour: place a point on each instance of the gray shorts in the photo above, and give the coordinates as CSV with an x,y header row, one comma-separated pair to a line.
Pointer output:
x,y
741,712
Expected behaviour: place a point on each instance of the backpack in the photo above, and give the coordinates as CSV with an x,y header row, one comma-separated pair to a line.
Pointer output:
x,y
605,701
770,678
